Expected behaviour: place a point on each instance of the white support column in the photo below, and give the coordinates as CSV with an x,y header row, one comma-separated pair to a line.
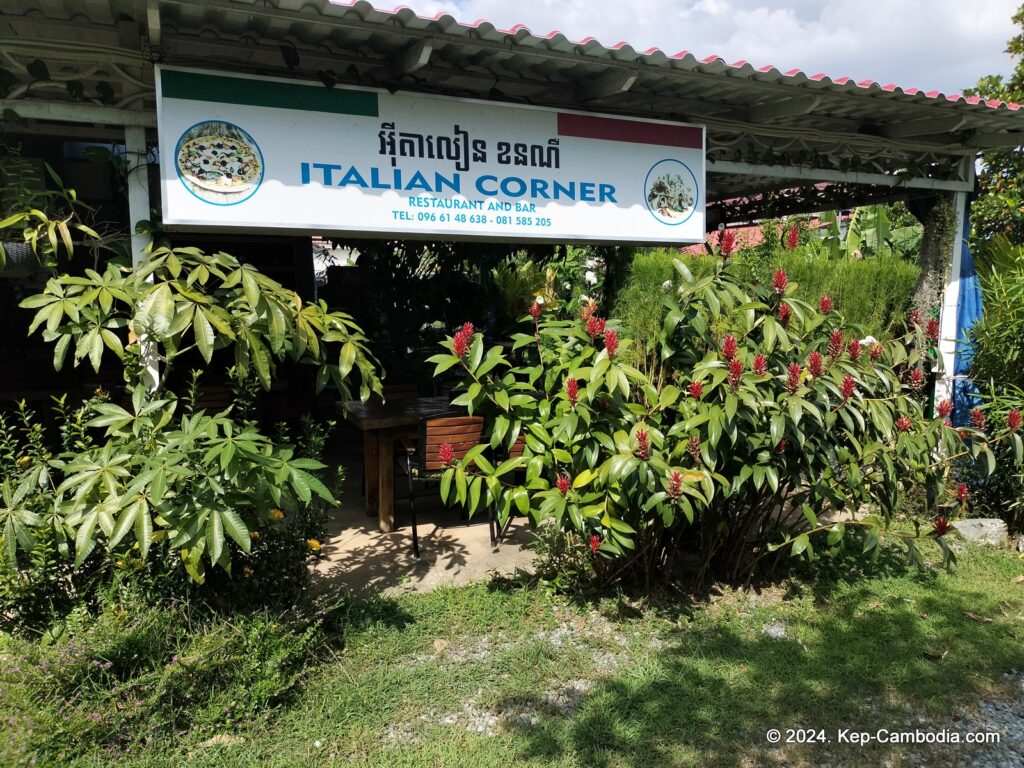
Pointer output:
x,y
138,210
950,303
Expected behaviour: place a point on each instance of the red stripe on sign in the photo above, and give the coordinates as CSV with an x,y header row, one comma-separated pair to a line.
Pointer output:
x,y
632,131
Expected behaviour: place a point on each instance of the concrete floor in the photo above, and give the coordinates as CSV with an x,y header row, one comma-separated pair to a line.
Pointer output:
x,y
358,556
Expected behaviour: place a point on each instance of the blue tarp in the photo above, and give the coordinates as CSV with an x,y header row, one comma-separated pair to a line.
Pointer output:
x,y
969,309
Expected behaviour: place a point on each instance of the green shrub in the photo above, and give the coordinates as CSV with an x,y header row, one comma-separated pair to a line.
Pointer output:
x,y
769,412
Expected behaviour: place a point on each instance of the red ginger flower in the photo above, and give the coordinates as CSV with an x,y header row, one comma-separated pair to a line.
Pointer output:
x,y
784,312
962,493
611,343
825,304
595,327
693,447
941,526
792,237
849,385
978,418
903,423
780,281
875,350
729,346
595,543
735,372
562,483
836,342
760,365
916,381
535,310
589,310
675,485
462,339
853,349
914,318
931,331
944,408
446,453
643,445
696,389
727,244
814,365
572,391
793,378
1013,419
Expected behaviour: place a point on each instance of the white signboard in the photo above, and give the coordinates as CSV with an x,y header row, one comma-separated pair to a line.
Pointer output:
x,y
260,154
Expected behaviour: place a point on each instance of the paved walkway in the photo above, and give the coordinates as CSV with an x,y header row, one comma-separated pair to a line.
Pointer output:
x,y
356,555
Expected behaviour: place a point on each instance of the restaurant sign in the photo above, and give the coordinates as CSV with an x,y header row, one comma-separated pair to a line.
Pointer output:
x,y
261,154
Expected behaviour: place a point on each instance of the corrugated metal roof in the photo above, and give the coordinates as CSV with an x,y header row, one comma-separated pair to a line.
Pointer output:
x,y
555,40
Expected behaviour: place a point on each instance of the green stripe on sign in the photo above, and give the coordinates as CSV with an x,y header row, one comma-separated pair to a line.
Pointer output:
x,y
266,93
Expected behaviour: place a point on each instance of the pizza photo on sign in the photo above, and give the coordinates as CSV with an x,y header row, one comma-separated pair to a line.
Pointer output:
x,y
219,163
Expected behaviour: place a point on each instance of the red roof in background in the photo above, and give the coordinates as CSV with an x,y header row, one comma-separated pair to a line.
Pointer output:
x,y
624,51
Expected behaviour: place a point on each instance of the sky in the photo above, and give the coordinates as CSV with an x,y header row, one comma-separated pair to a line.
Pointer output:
x,y
929,44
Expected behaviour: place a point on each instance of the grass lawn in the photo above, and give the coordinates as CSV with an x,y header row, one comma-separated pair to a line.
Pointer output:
x,y
498,673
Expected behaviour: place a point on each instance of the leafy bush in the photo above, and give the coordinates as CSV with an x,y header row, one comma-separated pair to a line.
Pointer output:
x,y
769,417
139,670
998,337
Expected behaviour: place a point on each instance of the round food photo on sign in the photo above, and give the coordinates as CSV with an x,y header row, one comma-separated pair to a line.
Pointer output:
x,y
671,191
219,163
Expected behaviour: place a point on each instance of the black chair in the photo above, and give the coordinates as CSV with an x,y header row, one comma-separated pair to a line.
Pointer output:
x,y
423,456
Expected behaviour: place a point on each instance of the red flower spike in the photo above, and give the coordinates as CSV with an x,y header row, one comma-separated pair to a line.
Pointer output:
x,y
931,331
611,343
793,377
572,391
760,365
962,493
944,408
792,237
727,244
595,543
814,364
847,388
696,389
914,318
836,342
462,339
1013,419
978,419
825,304
903,424
875,350
853,349
781,447
595,327
446,454
784,313
729,347
562,483
941,526
675,485
735,372
916,380
589,310
693,447
780,281
643,445
535,310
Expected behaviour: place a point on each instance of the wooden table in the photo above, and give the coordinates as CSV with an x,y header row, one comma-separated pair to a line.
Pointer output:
x,y
381,424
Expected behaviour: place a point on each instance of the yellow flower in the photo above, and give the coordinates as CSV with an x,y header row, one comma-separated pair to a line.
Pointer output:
x,y
247,571
23,462
276,514
313,544
254,535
